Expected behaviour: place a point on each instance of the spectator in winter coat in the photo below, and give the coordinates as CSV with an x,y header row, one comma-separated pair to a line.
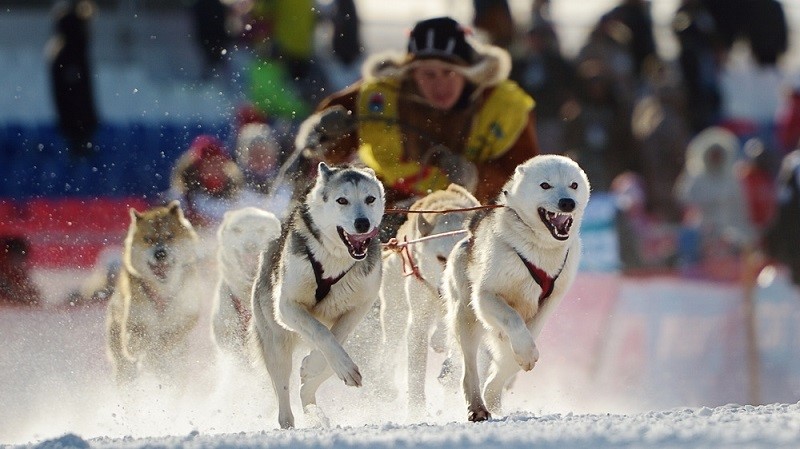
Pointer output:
x,y
210,17
207,182
444,111
782,238
16,284
788,123
258,155
700,57
71,75
549,77
756,173
713,198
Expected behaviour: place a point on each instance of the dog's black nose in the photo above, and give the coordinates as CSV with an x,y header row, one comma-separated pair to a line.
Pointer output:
x,y
566,204
362,225
160,254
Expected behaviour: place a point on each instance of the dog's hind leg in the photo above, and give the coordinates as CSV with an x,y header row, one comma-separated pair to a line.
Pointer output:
x,y
313,371
423,313
394,321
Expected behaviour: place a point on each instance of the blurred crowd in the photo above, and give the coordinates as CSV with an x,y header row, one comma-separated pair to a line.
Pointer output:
x,y
701,159
696,151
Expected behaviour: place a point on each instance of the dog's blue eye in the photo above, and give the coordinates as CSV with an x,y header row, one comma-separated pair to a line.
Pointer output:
x,y
342,201
574,186
545,185
370,199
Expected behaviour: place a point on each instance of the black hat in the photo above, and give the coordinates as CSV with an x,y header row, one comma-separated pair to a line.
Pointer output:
x,y
441,38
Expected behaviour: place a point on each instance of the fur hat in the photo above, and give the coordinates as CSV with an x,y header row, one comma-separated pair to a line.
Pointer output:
x,y
440,38
443,38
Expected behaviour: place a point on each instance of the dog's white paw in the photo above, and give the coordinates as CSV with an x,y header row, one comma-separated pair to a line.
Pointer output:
x,y
286,419
315,416
347,370
527,356
313,365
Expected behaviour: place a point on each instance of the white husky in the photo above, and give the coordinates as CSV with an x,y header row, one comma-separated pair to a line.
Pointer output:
x,y
413,312
318,281
242,236
509,274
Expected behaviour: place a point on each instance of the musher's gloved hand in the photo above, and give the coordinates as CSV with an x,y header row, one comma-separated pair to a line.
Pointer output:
x,y
457,168
325,127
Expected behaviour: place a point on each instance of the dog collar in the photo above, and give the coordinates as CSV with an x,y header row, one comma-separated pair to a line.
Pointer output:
x,y
323,284
545,281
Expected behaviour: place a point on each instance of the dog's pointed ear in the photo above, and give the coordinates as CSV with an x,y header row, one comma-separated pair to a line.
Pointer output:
x,y
135,215
324,170
424,227
174,207
370,171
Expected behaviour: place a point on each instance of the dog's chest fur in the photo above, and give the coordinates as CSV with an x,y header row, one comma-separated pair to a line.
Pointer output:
x,y
498,250
360,281
154,308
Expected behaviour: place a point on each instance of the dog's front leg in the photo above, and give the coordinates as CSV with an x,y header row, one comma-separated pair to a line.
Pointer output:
x,y
495,312
314,369
124,365
298,319
468,334
274,346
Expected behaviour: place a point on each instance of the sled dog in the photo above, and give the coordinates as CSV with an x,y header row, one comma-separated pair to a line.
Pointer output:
x,y
504,279
151,312
242,236
317,281
411,308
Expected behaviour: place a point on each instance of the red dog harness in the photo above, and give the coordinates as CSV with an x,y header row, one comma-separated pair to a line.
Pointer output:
x,y
545,281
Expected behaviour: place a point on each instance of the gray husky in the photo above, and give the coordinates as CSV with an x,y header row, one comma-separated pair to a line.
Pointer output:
x,y
317,281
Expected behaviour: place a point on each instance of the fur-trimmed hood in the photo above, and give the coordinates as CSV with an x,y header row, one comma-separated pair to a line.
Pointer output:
x,y
492,66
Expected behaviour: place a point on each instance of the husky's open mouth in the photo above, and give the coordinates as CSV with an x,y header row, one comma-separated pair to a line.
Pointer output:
x,y
357,244
558,223
159,269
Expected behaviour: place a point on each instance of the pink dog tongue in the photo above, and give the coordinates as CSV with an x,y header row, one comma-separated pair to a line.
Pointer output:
x,y
359,241
360,238
560,220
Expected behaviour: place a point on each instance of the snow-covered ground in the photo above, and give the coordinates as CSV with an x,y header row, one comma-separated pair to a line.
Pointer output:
x,y
656,363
